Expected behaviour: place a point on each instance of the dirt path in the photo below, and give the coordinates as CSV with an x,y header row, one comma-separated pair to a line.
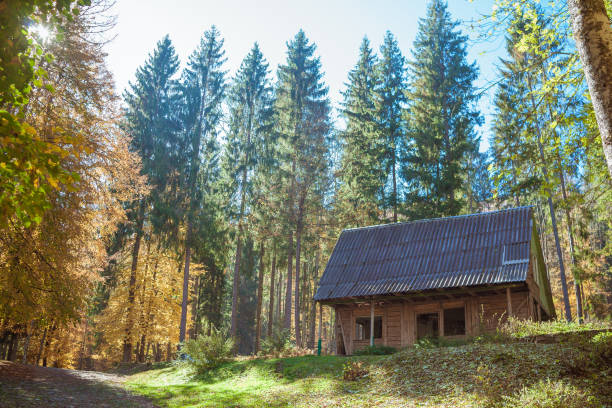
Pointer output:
x,y
29,386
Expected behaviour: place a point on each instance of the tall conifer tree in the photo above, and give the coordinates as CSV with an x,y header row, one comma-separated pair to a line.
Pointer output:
x,y
149,120
390,103
303,123
202,89
442,115
362,167
250,102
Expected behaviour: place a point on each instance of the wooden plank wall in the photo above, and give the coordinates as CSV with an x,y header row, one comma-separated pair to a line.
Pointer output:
x,y
399,317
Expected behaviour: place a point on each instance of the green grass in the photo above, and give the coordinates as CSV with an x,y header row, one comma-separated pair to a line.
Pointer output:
x,y
517,328
476,374
252,383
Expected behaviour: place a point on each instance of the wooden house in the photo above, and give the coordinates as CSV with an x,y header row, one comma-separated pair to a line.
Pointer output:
x,y
450,277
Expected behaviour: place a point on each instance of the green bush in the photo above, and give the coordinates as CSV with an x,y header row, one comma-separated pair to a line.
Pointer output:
x,y
375,351
550,394
206,352
278,343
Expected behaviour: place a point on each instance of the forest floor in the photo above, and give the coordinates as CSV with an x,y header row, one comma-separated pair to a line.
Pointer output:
x,y
575,373
27,386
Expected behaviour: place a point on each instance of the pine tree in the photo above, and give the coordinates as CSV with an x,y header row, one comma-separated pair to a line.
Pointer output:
x,y
203,90
149,121
303,122
362,170
442,115
390,100
250,104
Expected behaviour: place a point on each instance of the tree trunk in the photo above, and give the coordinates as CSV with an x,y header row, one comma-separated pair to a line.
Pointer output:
x,y
271,305
551,207
40,347
260,279
183,325
313,310
593,36
127,338
298,248
234,323
279,297
195,310
287,325
154,291
570,234
27,343
168,352
394,185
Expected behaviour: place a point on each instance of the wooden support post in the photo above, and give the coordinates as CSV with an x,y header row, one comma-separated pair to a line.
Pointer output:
x,y
320,329
530,309
509,298
539,312
372,323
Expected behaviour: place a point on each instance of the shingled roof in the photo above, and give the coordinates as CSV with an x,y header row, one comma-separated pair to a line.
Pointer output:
x,y
468,250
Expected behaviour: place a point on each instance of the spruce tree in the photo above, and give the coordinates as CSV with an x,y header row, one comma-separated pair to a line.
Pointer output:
x,y
390,102
442,116
514,159
150,121
303,123
202,90
250,103
362,165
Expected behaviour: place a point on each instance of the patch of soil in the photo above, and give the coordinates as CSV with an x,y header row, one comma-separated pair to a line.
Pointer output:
x,y
30,386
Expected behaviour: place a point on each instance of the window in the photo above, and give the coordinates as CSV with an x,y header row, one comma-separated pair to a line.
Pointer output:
x,y
454,321
427,325
362,328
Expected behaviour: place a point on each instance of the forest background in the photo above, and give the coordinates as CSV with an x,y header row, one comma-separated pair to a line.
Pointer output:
x,y
201,199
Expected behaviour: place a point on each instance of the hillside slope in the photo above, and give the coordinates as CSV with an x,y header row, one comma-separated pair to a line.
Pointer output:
x,y
576,372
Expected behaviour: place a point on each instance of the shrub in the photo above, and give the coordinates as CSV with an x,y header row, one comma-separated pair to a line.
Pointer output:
x,y
277,344
354,370
550,394
206,352
375,351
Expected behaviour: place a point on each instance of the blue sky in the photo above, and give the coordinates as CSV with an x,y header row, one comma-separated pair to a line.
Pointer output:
x,y
336,26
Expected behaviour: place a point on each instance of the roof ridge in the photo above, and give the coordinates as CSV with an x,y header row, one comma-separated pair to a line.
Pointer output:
x,y
438,218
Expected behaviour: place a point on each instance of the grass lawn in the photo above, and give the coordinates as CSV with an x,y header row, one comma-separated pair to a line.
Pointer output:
x,y
472,375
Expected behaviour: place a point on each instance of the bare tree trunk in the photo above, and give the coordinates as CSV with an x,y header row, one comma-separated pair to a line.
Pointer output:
x,y
27,343
195,310
298,248
289,283
272,277
570,234
168,352
593,36
48,344
154,289
183,325
313,311
279,297
260,280
83,345
40,347
394,186
127,338
235,284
